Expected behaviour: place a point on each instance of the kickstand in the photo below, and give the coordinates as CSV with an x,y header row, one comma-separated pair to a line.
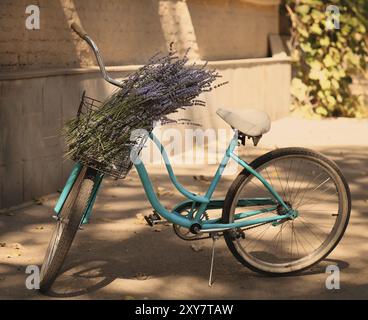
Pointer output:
x,y
214,236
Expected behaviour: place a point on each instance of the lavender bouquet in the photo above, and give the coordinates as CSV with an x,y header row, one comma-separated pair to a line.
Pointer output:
x,y
101,138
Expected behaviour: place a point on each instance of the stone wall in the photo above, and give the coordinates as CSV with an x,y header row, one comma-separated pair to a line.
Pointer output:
x,y
233,29
128,32
44,72
33,110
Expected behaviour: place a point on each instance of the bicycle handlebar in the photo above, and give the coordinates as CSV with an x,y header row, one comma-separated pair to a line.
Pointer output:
x,y
79,30
83,34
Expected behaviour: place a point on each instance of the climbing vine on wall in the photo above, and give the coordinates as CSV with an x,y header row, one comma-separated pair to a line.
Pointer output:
x,y
329,47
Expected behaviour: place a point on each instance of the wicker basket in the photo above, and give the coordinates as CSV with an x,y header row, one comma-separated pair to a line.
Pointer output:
x,y
119,166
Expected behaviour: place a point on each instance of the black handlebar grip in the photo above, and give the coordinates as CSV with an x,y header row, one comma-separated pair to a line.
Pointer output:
x,y
79,30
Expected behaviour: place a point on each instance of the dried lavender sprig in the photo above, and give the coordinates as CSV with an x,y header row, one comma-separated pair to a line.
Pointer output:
x,y
163,86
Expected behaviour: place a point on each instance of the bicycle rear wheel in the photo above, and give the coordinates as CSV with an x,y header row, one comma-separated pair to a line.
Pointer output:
x,y
309,183
66,227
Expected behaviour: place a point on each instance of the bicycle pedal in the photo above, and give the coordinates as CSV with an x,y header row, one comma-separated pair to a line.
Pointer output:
x,y
155,216
153,219
149,220
159,222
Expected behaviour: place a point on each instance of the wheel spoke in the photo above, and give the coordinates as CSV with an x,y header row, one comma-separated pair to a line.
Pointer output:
x,y
309,186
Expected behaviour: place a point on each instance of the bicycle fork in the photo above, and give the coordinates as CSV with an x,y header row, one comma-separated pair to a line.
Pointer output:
x,y
69,185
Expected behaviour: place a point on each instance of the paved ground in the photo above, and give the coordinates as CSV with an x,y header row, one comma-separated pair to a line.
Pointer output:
x,y
118,256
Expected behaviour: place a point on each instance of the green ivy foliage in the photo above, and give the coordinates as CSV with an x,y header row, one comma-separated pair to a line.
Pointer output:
x,y
327,58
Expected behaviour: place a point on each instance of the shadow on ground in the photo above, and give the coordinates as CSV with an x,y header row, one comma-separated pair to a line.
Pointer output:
x,y
117,256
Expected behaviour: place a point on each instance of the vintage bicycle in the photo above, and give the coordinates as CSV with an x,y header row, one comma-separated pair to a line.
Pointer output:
x,y
284,212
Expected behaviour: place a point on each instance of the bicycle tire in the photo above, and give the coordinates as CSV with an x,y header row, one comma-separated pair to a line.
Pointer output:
x,y
69,222
241,180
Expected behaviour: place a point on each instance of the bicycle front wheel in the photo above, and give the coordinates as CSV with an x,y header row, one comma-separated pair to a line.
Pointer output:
x,y
66,227
309,183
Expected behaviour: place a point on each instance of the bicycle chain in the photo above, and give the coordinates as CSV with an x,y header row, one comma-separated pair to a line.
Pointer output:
x,y
206,216
258,225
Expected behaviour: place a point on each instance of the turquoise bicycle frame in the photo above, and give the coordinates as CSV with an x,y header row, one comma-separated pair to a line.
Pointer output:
x,y
196,204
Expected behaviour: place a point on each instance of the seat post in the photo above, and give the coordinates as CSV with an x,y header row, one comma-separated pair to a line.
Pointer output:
x,y
242,137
